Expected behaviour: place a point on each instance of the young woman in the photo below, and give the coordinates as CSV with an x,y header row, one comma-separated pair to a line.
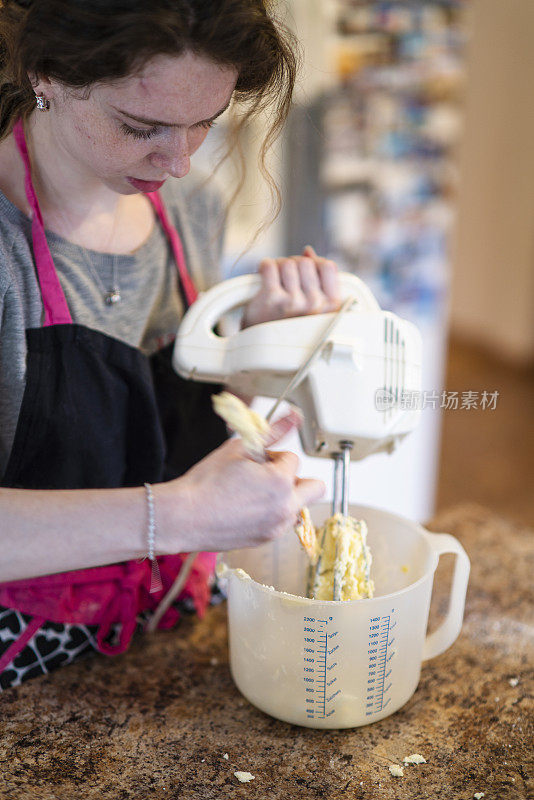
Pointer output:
x,y
104,450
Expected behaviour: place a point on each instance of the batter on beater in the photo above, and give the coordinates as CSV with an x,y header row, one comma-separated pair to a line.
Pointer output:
x,y
344,558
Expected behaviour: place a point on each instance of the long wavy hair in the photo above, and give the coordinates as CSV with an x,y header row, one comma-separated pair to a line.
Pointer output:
x,y
83,42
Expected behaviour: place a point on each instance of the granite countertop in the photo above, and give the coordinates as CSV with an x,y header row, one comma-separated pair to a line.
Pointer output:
x,y
156,721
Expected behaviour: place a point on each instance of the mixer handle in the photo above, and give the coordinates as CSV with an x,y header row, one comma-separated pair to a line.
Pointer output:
x,y
196,328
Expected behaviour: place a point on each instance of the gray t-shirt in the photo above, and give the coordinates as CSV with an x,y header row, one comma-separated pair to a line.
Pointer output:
x,y
150,309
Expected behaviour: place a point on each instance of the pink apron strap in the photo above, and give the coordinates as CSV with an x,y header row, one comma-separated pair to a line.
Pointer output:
x,y
176,244
15,647
55,305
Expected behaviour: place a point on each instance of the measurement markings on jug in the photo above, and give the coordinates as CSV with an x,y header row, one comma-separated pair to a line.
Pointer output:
x,y
380,653
319,667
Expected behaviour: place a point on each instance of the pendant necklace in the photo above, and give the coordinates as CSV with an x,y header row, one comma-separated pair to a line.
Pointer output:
x,y
111,296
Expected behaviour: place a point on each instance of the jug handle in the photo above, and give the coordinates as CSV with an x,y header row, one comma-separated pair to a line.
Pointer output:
x,y
442,638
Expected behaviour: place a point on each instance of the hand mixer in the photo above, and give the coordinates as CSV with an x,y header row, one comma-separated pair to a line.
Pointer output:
x,y
348,371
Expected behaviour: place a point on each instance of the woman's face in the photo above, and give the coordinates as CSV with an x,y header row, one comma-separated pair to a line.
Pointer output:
x,y
143,128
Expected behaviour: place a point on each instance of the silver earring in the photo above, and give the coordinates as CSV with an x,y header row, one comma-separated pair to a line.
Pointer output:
x,y
42,103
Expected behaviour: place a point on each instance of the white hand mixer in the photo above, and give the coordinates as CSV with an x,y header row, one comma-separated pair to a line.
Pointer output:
x,y
348,371
350,392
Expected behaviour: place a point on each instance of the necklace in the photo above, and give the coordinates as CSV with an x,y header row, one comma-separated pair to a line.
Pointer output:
x,y
111,296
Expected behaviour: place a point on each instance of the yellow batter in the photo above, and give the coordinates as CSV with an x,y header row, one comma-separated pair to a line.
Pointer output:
x,y
250,425
352,566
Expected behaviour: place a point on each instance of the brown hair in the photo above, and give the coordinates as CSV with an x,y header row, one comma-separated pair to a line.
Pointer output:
x,y
83,42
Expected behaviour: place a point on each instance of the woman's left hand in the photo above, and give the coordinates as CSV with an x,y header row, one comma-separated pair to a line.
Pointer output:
x,y
293,287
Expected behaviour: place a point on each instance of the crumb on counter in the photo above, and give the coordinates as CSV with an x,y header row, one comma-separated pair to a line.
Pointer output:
x,y
244,777
405,568
226,756
396,770
478,795
513,681
415,758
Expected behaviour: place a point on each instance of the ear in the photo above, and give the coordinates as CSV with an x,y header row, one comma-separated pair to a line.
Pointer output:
x,y
40,84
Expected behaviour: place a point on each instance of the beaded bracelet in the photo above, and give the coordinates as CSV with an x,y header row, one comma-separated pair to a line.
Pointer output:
x,y
156,584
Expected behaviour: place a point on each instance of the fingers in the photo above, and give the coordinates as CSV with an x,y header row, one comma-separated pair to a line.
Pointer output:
x,y
302,491
270,275
284,461
308,273
295,286
309,490
328,276
311,285
295,299
330,284
282,426
289,274
314,277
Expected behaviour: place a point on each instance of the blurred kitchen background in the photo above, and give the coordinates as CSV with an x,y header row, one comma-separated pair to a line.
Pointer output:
x,y
409,159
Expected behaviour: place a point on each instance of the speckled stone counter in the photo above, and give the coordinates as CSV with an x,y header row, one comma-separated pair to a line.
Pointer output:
x,y
157,721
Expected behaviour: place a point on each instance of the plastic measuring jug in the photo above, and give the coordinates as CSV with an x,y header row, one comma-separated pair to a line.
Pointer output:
x,y
326,664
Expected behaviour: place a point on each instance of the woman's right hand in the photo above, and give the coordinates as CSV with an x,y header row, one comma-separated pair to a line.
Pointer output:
x,y
233,501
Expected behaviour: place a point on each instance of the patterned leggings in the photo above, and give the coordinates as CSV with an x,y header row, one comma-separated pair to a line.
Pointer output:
x,y
55,644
